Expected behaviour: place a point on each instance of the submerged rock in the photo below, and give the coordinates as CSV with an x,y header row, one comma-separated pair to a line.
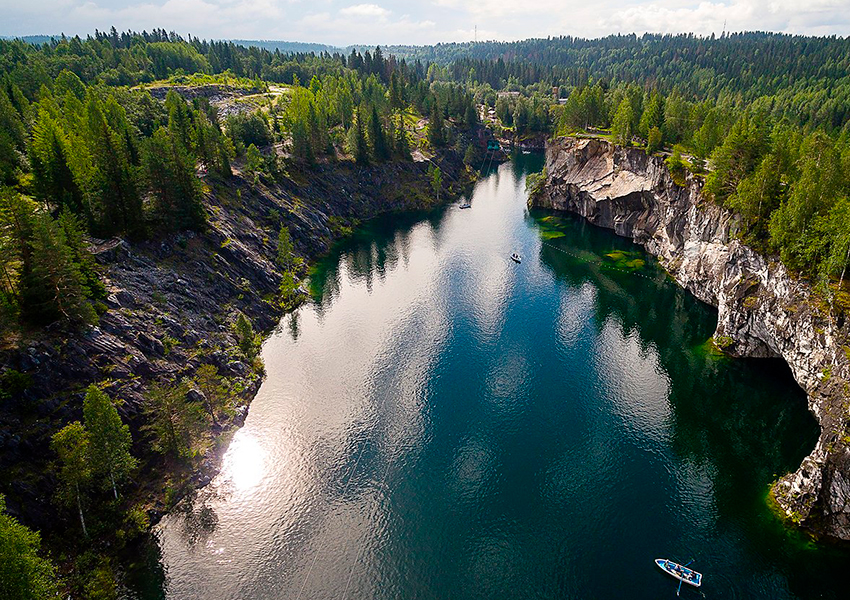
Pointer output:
x,y
763,311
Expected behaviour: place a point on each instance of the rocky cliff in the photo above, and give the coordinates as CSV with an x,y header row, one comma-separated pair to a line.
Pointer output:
x,y
171,306
763,311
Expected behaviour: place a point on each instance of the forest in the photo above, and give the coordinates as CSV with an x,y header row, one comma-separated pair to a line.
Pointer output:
x,y
764,118
88,153
82,152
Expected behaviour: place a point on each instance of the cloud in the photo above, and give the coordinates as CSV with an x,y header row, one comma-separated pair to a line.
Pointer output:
x,y
343,22
790,16
365,10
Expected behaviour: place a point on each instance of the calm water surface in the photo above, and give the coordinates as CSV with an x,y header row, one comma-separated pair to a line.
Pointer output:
x,y
442,423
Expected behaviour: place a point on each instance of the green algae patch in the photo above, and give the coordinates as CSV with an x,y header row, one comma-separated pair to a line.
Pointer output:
x,y
710,349
625,260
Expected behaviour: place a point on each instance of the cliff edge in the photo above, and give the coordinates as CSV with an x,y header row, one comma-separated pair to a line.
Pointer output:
x,y
763,311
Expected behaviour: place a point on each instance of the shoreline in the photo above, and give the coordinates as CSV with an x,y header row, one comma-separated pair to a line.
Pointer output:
x,y
763,311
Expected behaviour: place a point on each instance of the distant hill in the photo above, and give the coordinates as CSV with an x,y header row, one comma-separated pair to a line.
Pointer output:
x,y
35,40
287,47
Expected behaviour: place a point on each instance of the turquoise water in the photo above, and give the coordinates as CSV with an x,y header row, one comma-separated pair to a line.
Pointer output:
x,y
444,423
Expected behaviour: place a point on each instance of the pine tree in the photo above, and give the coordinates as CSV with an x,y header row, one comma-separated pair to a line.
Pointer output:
x,y
71,443
246,339
174,421
109,437
215,391
253,162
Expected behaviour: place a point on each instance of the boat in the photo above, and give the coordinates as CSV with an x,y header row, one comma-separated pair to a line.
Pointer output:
x,y
465,205
515,257
680,572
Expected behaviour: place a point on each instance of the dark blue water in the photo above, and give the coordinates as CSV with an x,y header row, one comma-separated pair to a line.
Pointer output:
x,y
444,423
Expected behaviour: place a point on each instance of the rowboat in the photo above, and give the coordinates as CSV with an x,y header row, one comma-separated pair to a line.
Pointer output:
x,y
680,572
515,257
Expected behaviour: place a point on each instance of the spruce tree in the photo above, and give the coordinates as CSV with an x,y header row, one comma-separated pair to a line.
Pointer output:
x,y
54,288
380,151
358,141
169,171
402,146
12,140
286,258
114,177
436,135
73,230
53,180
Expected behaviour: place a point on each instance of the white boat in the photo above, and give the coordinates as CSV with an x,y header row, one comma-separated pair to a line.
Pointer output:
x,y
515,257
465,205
680,572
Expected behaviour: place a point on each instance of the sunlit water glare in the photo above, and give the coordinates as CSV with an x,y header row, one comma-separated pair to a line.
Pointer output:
x,y
444,423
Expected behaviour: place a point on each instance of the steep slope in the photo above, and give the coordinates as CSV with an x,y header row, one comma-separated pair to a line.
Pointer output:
x,y
763,311
171,308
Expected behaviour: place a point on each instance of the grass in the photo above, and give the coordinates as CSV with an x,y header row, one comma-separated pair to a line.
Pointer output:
x,y
201,79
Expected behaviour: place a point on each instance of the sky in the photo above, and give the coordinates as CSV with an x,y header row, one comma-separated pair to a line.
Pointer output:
x,y
344,22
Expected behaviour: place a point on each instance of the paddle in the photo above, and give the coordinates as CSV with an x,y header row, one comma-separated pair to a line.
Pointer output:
x,y
679,589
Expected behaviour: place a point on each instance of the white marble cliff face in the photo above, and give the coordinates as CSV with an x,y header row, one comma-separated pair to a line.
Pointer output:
x,y
763,311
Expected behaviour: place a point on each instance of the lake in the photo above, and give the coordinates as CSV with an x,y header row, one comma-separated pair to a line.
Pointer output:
x,y
441,422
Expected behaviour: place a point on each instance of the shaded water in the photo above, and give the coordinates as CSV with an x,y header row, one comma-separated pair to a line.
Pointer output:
x,y
444,423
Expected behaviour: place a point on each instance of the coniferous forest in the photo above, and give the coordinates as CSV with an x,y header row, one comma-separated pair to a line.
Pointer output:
x,y
98,141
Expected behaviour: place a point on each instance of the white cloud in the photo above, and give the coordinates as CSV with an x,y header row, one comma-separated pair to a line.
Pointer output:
x,y
365,10
343,22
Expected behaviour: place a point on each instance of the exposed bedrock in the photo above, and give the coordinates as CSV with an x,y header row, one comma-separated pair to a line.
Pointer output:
x,y
763,311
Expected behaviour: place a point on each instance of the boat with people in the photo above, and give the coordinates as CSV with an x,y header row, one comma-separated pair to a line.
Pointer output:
x,y
680,572
466,205
515,257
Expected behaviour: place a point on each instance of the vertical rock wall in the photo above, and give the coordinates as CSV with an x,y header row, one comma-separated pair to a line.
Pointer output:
x,y
762,310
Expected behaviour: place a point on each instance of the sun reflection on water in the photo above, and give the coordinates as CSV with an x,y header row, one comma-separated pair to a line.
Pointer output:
x,y
245,462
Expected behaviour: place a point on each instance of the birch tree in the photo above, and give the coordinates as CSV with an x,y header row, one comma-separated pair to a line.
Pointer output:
x,y
72,444
109,437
